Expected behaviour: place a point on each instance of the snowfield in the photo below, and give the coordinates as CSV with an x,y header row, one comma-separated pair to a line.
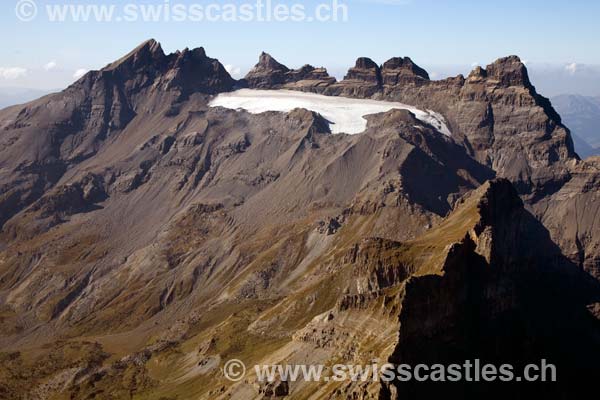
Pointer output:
x,y
345,115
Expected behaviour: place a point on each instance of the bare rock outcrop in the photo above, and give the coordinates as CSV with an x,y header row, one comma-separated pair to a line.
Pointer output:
x,y
402,71
270,74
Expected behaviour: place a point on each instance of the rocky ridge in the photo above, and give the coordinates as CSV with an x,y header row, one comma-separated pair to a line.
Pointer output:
x,y
478,109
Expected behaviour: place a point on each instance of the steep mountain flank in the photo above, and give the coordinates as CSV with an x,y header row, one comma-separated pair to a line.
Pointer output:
x,y
494,299
43,139
572,216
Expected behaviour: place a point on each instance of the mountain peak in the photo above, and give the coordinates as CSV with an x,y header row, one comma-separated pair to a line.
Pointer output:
x,y
401,70
269,73
365,63
478,73
366,70
266,62
149,51
510,71
152,45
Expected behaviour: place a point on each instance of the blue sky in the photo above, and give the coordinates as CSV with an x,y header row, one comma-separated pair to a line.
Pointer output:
x,y
444,36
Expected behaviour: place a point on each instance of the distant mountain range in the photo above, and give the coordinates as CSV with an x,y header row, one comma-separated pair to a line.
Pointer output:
x,y
582,115
10,96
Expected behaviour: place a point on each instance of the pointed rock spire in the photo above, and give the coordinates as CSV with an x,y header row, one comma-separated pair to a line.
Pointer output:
x,y
266,62
268,73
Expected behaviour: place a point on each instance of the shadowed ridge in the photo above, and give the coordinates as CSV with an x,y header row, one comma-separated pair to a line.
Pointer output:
x,y
495,299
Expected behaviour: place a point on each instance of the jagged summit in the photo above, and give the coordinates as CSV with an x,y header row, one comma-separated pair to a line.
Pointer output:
x,y
147,52
399,69
188,71
477,73
506,71
510,71
268,73
367,78
267,63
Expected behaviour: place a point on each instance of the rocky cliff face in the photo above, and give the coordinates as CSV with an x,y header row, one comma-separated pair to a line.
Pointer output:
x,y
399,70
147,237
495,113
479,304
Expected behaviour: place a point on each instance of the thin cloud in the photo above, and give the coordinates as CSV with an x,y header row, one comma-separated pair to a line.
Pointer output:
x,y
50,66
232,70
12,73
572,68
79,73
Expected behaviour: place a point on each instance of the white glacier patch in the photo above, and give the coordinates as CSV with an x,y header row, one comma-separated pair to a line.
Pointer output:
x,y
345,115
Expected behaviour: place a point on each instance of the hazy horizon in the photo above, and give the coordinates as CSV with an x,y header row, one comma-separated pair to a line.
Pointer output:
x,y
555,39
549,79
